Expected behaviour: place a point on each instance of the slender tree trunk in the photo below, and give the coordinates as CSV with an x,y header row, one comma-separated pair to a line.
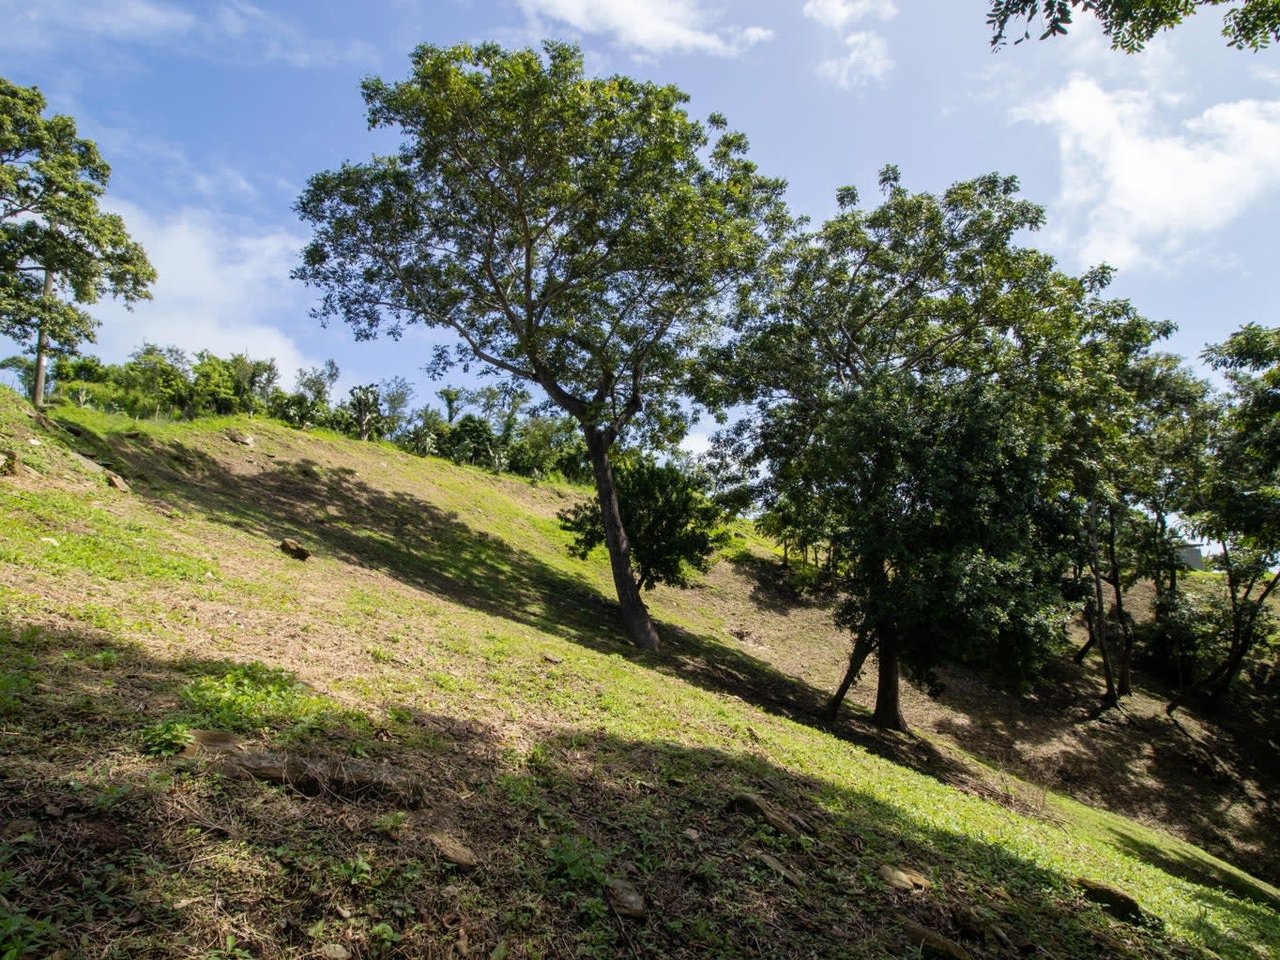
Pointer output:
x,y
1093,635
861,650
635,616
888,714
42,349
1124,685
1100,611
1157,575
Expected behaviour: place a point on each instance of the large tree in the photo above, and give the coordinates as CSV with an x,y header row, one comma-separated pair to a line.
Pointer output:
x,y
58,249
912,382
1237,503
1131,24
578,233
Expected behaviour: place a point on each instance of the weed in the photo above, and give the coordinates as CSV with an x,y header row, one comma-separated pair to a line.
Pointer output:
x,y
384,935
21,936
12,685
577,862
229,950
165,739
357,872
251,697
105,659
391,823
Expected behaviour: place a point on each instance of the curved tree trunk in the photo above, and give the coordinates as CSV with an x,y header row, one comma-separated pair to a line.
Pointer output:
x,y
861,650
635,616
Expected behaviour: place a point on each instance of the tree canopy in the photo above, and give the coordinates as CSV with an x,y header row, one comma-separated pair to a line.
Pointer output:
x,y
1131,24
913,379
58,249
581,234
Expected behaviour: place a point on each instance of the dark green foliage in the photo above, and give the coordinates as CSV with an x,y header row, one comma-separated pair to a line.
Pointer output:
x,y
1131,24
58,250
674,526
471,440
1236,504
918,381
162,382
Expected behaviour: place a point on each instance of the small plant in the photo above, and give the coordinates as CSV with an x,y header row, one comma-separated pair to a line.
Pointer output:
x,y
105,659
384,935
165,739
357,872
391,823
12,684
21,936
577,862
229,950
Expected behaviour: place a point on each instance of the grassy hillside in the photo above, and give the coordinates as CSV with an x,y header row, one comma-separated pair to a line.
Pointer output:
x,y
476,764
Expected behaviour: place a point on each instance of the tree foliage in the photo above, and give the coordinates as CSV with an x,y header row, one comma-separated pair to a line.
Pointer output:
x,y
1237,502
914,378
58,250
675,527
1131,24
576,233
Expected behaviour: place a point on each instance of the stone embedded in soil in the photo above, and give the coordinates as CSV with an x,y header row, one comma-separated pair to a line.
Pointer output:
x,y
210,744
932,943
1115,902
691,834
334,951
91,465
768,811
118,482
903,879
236,436
626,900
294,549
454,850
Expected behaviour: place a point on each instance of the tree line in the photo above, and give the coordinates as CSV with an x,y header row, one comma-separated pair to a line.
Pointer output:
x,y
492,427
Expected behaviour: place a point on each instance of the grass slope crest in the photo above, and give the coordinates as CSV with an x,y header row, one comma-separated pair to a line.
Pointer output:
x,y
428,739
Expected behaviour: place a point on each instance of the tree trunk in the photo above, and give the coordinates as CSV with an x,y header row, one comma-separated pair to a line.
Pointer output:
x,y
1100,611
1124,685
1093,635
888,714
42,349
635,616
861,650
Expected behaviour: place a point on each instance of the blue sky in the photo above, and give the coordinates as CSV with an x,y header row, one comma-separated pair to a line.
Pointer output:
x,y
213,115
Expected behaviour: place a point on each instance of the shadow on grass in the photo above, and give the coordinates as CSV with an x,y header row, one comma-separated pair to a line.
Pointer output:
x,y
143,857
1142,766
414,541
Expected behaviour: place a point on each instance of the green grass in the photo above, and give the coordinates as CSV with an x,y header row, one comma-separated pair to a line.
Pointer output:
x,y
442,629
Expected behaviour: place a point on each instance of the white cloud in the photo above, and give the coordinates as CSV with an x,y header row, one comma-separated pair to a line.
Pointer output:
x,y
650,26
1140,188
867,60
232,29
839,14
220,288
